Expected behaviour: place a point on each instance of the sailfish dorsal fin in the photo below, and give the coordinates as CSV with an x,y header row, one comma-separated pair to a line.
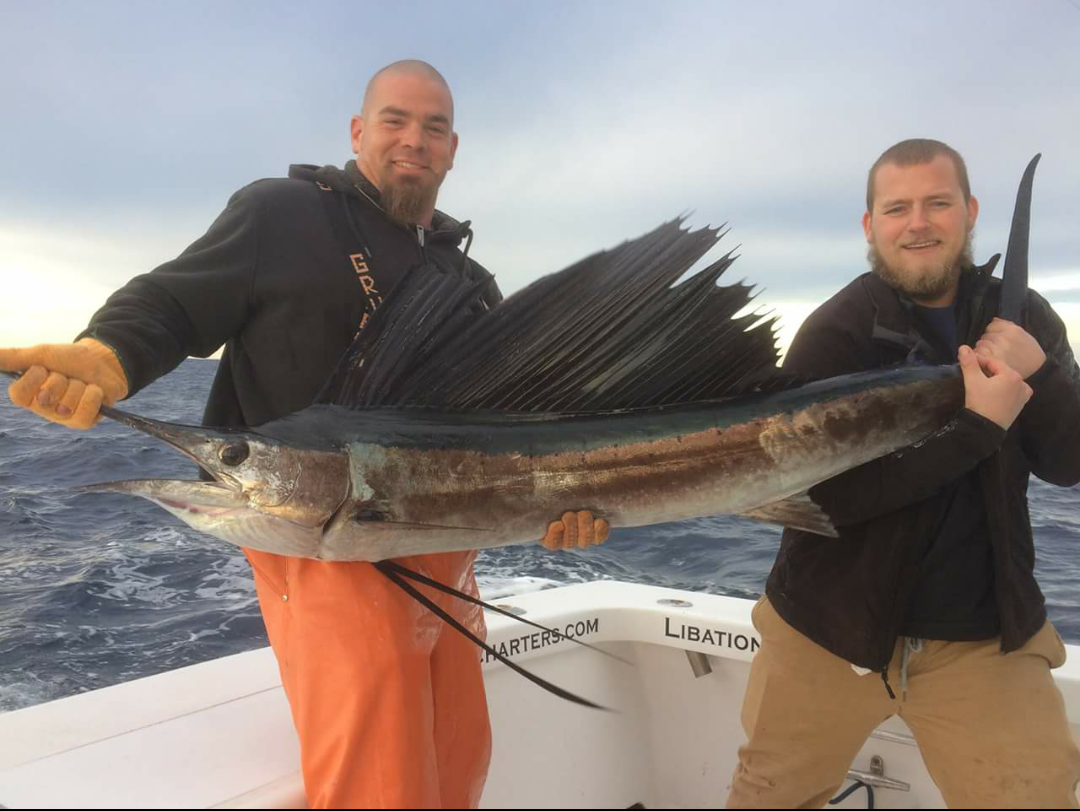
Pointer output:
x,y
612,331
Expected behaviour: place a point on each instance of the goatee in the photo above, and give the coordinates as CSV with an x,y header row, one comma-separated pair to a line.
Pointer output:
x,y
406,202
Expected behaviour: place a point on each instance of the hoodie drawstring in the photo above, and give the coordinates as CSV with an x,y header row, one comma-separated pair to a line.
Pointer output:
x,y
465,253
348,218
911,645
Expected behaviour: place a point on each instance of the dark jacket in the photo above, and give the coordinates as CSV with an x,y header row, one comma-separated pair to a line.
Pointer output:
x,y
850,595
284,279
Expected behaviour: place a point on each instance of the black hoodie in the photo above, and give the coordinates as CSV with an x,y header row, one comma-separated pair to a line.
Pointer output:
x,y
284,278
852,595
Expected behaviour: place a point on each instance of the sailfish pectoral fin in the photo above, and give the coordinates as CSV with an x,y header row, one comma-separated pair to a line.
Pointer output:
x,y
798,512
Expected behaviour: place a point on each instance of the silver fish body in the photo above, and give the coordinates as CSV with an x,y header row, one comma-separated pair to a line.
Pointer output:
x,y
370,484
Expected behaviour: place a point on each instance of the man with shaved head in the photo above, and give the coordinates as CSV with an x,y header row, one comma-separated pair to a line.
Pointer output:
x,y
388,702
408,187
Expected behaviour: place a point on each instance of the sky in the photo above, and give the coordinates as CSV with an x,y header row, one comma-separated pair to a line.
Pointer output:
x,y
126,126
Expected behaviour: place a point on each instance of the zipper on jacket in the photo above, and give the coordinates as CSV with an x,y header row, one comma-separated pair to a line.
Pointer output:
x,y
885,678
992,478
420,241
901,591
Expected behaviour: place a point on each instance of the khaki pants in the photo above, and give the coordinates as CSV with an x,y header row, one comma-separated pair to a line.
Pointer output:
x,y
992,729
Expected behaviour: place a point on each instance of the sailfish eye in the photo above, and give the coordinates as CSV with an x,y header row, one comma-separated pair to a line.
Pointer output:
x,y
234,453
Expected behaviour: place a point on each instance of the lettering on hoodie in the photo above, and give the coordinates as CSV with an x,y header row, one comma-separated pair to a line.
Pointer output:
x,y
367,282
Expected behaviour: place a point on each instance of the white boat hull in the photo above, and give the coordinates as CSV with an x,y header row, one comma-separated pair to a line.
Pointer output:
x,y
219,734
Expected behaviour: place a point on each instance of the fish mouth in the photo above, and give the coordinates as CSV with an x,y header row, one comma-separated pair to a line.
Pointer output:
x,y
177,495
224,493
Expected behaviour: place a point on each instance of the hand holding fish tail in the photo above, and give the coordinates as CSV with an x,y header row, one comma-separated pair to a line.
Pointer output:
x,y
578,530
1012,345
992,389
66,383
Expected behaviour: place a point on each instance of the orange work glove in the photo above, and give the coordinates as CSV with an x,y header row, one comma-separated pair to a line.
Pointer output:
x,y
66,383
576,531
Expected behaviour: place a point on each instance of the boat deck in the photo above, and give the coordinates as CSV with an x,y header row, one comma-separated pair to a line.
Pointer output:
x,y
219,734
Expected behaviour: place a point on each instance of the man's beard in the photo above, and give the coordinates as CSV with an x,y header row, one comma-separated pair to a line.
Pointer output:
x,y
405,202
932,283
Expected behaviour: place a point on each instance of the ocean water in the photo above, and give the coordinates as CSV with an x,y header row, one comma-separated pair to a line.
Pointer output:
x,y
100,588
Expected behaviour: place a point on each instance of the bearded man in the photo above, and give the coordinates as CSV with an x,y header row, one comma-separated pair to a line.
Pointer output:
x,y
926,606
388,701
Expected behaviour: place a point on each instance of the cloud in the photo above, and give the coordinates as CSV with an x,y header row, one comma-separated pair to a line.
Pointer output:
x,y
53,285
